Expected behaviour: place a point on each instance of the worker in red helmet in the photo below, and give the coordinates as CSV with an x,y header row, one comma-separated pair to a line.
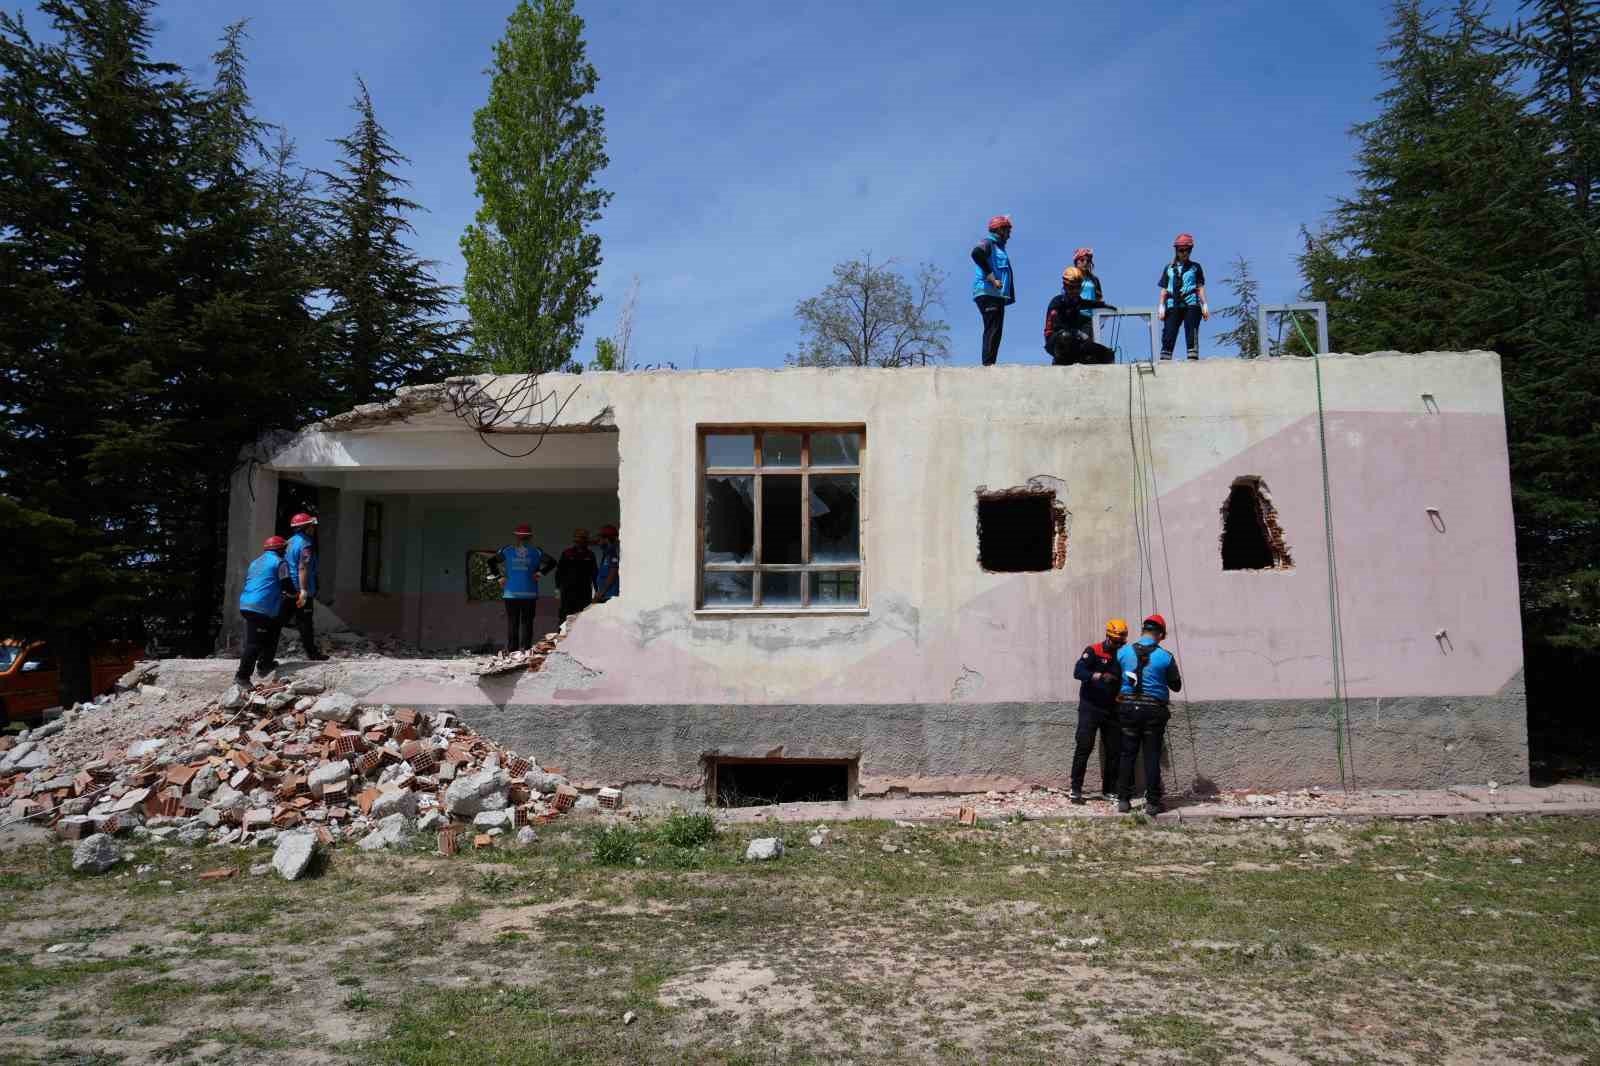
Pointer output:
x,y
992,285
302,559
608,580
1182,300
517,567
266,589
1091,290
1149,676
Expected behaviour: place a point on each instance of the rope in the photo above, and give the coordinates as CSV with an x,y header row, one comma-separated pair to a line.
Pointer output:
x,y
1340,708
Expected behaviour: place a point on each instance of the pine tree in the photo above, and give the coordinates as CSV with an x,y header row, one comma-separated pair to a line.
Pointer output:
x,y
531,256
1245,334
388,323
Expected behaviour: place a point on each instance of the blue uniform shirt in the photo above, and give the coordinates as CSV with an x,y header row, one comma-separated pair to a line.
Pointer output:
x,y
610,558
1183,283
263,585
521,570
1161,677
302,546
999,266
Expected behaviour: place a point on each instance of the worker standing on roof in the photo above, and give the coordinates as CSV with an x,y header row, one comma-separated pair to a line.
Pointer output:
x,y
266,590
575,575
517,567
992,284
1149,675
1068,336
1091,289
302,559
1182,301
1097,710
608,580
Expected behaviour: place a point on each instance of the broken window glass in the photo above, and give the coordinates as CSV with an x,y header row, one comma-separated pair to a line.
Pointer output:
x,y
835,518
780,519
835,449
835,588
730,449
780,449
780,589
728,589
730,522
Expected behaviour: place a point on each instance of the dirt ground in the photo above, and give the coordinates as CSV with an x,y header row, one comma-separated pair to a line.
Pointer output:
x,y
1110,941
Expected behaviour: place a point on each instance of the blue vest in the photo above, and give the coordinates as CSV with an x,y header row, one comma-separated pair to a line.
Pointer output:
x,y
1000,263
522,571
1182,285
263,592
297,544
1088,292
1155,670
610,556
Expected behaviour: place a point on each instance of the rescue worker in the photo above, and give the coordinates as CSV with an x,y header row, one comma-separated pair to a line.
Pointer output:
x,y
575,575
1068,337
608,581
1083,259
1182,300
1097,710
266,589
302,559
1149,675
517,567
992,285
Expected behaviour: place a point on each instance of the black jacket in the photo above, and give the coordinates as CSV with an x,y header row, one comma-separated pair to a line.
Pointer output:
x,y
1097,659
1063,314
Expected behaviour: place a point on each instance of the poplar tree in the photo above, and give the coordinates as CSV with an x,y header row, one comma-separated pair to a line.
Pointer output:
x,y
388,323
531,254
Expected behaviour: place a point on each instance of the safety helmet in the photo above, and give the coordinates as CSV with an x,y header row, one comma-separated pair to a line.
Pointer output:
x,y
580,534
301,519
999,222
523,530
274,543
1155,621
1083,253
1183,240
1117,628
1071,276
608,531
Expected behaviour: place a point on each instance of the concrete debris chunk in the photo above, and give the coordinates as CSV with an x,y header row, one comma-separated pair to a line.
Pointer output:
x,y
526,835
334,707
482,791
491,819
763,849
95,854
394,800
194,834
330,773
152,692
293,855
144,748
392,831
232,699
305,686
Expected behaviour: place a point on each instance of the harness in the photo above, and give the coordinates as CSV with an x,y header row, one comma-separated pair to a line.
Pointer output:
x,y
1175,292
1141,652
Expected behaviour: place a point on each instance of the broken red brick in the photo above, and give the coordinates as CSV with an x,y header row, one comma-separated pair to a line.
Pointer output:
x,y
219,874
181,775
519,767
335,790
349,744
483,840
967,816
406,716
323,836
366,799
565,797
425,761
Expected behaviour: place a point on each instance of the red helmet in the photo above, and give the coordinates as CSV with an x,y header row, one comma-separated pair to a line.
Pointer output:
x,y
302,519
1083,253
999,222
1183,240
1155,621
608,531
523,530
274,543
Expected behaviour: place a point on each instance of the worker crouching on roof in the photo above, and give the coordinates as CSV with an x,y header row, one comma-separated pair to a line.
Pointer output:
x,y
302,559
266,590
1068,336
992,285
517,567
575,575
1099,673
1149,674
608,580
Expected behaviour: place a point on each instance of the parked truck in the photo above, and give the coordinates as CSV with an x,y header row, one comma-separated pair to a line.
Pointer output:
x,y
30,676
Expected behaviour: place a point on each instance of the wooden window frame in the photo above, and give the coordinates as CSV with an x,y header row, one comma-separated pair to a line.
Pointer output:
x,y
372,548
757,472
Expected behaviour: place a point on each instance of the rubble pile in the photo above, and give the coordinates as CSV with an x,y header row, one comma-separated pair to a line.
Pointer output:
x,y
507,662
282,760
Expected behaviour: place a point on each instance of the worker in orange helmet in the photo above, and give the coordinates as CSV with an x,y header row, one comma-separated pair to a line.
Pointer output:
x,y
1068,337
1149,675
1097,710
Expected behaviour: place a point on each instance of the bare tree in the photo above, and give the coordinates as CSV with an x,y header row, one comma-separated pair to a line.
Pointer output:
x,y
871,316
624,334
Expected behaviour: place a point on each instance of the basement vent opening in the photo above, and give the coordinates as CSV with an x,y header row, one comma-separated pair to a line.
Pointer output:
x,y
1021,530
1251,537
761,782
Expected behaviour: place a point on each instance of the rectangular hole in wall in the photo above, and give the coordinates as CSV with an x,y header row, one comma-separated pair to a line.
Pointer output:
x,y
733,782
1017,532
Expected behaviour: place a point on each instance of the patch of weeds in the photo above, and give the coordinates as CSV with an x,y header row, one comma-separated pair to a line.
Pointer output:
x,y
684,830
497,883
146,1002
616,845
510,936
361,1000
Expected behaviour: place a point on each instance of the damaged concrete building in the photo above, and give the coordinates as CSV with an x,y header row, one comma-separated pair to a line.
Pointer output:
x,y
859,581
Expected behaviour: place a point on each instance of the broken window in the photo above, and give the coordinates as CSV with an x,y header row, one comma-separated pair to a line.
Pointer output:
x,y
1021,530
372,548
759,782
482,585
1251,536
773,532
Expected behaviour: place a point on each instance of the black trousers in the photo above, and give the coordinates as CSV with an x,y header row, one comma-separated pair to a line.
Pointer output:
x,y
519,623
1144,728
1103,721
1189,319
302,620
574,600
993,310
260,644
1069,347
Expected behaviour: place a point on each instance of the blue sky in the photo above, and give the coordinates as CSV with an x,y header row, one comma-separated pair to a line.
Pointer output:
x,y
755,145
